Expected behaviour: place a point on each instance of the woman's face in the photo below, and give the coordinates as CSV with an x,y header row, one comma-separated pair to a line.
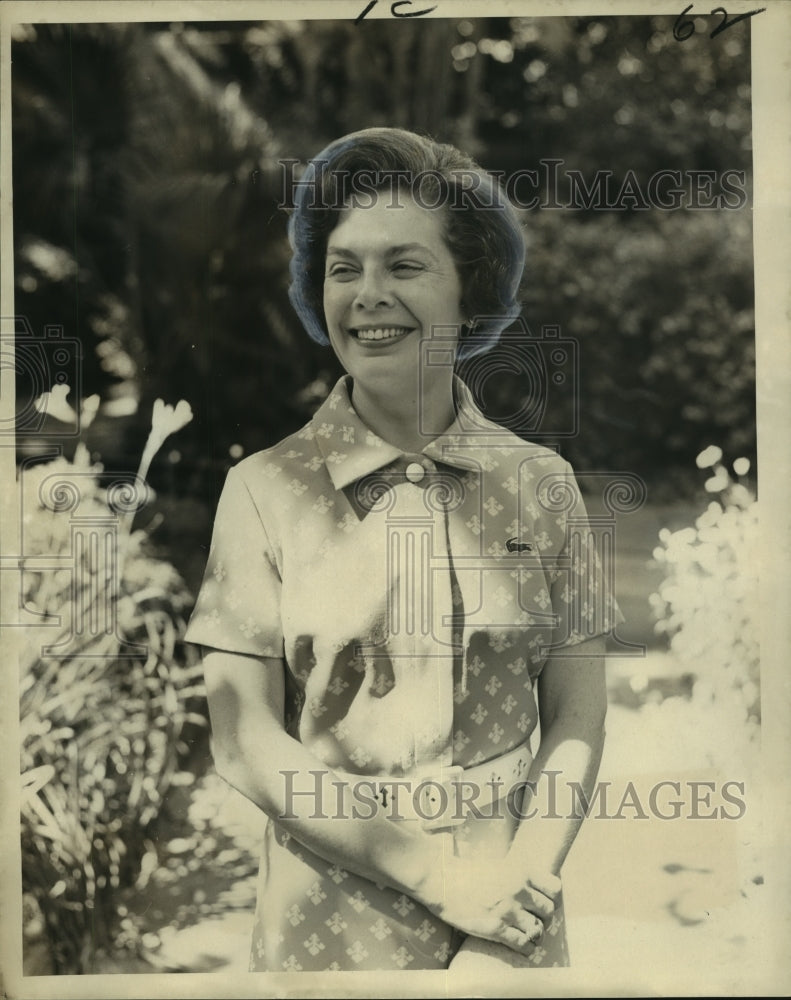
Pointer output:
x,y
389,280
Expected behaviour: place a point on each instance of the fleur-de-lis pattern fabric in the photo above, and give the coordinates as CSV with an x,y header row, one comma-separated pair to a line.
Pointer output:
x,y
414,599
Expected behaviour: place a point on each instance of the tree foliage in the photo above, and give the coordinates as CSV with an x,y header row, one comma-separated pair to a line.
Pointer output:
x,y
147,213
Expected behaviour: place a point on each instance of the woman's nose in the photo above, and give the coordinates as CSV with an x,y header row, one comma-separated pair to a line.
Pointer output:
x,y
372,290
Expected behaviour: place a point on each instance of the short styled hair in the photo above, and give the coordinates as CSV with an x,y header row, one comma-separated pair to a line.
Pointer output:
x,y
482,229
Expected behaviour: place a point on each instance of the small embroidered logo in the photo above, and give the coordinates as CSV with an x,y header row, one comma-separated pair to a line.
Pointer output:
x,y
514,545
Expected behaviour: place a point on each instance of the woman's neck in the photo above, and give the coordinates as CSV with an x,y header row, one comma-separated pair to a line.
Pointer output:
x,y
408,420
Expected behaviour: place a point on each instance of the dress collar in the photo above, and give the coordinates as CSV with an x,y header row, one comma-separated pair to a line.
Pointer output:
x,y
352,450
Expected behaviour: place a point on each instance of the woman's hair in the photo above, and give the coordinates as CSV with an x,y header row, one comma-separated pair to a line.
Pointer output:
x,y
482,229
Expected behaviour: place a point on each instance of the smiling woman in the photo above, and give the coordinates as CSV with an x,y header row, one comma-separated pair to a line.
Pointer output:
x,y
396,593
384,296
471,214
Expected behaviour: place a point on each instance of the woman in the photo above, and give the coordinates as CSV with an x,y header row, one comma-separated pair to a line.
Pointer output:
x,y
389,587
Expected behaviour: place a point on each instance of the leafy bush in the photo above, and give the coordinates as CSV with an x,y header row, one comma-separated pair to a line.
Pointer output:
x,y
102,710
663,368
708,605
164,117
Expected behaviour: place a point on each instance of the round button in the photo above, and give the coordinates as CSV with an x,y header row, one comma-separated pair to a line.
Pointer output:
x,y
415,472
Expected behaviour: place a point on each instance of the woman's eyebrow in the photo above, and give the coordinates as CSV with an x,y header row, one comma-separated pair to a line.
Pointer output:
x,y
410,248
339,252
390,252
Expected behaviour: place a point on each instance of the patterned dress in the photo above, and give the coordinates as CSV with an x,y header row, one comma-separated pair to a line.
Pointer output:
x,y
414,599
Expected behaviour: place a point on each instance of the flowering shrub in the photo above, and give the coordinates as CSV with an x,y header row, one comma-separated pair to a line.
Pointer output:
x,y
102,709
708,605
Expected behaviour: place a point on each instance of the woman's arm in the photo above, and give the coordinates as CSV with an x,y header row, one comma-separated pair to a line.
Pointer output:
x,y
255,755
572,707
572,700
253,752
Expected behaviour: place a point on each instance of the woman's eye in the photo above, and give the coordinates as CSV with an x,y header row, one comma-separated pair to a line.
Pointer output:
x,y
407,267
341,271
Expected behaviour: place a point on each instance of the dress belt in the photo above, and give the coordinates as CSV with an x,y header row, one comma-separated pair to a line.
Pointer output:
x,y
446,796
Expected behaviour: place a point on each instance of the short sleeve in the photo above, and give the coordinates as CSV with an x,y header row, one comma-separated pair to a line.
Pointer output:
x,y
238,606
582,592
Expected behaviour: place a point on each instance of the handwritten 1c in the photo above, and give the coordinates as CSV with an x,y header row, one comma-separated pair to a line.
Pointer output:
x,y
395,10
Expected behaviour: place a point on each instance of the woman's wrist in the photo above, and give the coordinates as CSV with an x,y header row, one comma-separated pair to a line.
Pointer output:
x,y
429,869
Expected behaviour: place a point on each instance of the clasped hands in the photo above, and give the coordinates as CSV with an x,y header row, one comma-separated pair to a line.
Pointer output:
x,y
495,899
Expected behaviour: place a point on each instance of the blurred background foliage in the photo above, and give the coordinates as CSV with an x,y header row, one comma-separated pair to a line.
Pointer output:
x,y
147,221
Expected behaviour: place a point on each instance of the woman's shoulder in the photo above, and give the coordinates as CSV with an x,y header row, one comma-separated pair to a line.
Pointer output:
x,y
477,432
533,450
508,445
294,453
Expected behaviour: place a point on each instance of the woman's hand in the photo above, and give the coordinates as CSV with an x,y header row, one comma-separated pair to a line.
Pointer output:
x,y
493,900
255,755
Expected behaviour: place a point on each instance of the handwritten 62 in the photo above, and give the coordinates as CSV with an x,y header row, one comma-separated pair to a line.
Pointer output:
x,y
684,27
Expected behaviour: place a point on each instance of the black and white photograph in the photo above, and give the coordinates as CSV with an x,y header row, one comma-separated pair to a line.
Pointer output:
x,y
394,545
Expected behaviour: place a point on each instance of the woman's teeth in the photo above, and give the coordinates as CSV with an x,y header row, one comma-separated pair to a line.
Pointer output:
x,y
382,333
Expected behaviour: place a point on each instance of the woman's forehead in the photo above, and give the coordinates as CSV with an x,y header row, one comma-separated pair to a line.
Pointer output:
x,y
387,225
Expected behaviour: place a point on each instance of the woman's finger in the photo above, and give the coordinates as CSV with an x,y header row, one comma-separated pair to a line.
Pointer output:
x,y
529,924
547,883
516,939
536,902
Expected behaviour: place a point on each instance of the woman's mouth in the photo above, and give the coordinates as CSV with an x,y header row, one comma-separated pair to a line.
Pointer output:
x,y
380,333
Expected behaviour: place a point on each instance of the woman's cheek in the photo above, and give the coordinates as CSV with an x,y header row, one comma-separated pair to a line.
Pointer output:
x,y
336,298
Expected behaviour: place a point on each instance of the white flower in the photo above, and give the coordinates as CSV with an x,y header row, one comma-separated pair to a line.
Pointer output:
x,y
54,404
88,411
719,481
740,496
741,466
710,516
708,457
166,420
